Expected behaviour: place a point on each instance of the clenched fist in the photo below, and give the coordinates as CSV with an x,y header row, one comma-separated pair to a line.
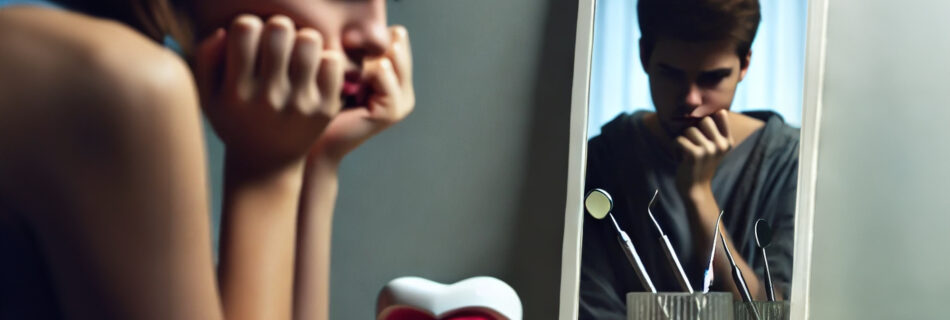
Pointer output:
x,y
702,146
269,89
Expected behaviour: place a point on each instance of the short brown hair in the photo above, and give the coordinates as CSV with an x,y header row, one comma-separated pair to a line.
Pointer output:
x,y
699,20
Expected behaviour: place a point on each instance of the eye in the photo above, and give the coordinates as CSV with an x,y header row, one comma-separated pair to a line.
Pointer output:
x,y
713,78
709,80
671,73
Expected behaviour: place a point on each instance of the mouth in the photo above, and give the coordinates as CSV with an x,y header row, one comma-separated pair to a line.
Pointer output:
x,y
685,120
355,93
677,124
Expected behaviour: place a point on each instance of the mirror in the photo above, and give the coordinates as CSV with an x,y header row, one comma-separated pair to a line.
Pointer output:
x,y
598,203
712,103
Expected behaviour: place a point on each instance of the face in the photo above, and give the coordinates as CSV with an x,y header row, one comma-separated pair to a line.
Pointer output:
x,y
691,80
355,27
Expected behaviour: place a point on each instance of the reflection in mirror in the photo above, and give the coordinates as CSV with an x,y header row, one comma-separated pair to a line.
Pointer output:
x,y
598,204
700,100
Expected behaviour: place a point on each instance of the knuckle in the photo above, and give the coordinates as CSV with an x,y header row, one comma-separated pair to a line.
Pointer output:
x,y
722,145
274,98
309,35
332,60
386,65
240,93
246,23
305,102
400,32
280,22
323,113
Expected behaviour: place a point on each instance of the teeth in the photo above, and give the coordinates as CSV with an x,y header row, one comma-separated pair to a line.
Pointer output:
x,y
351,88
478,297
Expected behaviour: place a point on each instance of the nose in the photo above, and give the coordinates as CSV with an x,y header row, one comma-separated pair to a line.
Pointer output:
x,y
694,97
366,34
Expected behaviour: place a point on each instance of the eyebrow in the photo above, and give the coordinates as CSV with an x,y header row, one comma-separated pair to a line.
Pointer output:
x,y
669,67
717,73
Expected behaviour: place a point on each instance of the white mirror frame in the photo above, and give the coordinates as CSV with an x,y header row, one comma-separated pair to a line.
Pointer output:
x,y
807,166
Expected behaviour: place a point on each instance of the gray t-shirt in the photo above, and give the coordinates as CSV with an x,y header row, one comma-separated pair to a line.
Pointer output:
x,y
756,180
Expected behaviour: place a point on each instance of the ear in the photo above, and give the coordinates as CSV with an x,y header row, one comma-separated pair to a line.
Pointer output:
x,y
645,56
744,65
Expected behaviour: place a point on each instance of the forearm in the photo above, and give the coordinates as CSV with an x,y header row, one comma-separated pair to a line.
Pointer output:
x,y
257,240
704,210
312,276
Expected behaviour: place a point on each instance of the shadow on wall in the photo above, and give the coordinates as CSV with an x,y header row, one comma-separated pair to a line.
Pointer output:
x,y
540,223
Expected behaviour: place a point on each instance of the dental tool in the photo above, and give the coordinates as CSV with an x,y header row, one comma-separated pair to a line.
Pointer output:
x,y
763,238
599,203
671,257
709,274
740,281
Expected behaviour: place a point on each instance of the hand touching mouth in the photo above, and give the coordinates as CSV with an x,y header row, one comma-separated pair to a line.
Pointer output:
x,y
355,92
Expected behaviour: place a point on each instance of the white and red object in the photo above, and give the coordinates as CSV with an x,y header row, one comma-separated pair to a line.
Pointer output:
x,y
478,298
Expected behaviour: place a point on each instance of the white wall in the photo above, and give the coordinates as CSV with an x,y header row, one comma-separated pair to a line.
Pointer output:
x,y
882,216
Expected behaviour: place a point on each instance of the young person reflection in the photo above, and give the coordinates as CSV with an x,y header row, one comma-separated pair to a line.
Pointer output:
x,y
103,204
702,157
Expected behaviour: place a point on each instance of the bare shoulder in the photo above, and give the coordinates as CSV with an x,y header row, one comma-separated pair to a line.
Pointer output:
x,y
56,61
59,55
77,92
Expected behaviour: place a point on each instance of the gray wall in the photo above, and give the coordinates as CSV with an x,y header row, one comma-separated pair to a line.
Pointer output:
x,y
473,182
882,228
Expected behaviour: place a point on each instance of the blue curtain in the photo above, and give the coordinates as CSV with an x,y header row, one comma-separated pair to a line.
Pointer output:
x,y
618,83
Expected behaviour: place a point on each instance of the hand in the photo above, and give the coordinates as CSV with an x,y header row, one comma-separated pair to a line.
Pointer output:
x,y
703,146
390,78
277,92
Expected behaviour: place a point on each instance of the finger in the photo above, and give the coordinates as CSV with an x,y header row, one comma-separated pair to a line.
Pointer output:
x,y
711,132
698,139
277,42
721,118
401,54
243,39
209,57
330,81
688,148
382,77
305,61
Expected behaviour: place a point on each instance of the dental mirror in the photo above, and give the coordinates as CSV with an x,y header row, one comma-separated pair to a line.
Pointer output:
x,y
763,237
598,203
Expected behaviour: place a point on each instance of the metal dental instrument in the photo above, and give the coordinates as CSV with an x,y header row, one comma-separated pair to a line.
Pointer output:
x,y
709,273
763,237
599,204
668,250
740,281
